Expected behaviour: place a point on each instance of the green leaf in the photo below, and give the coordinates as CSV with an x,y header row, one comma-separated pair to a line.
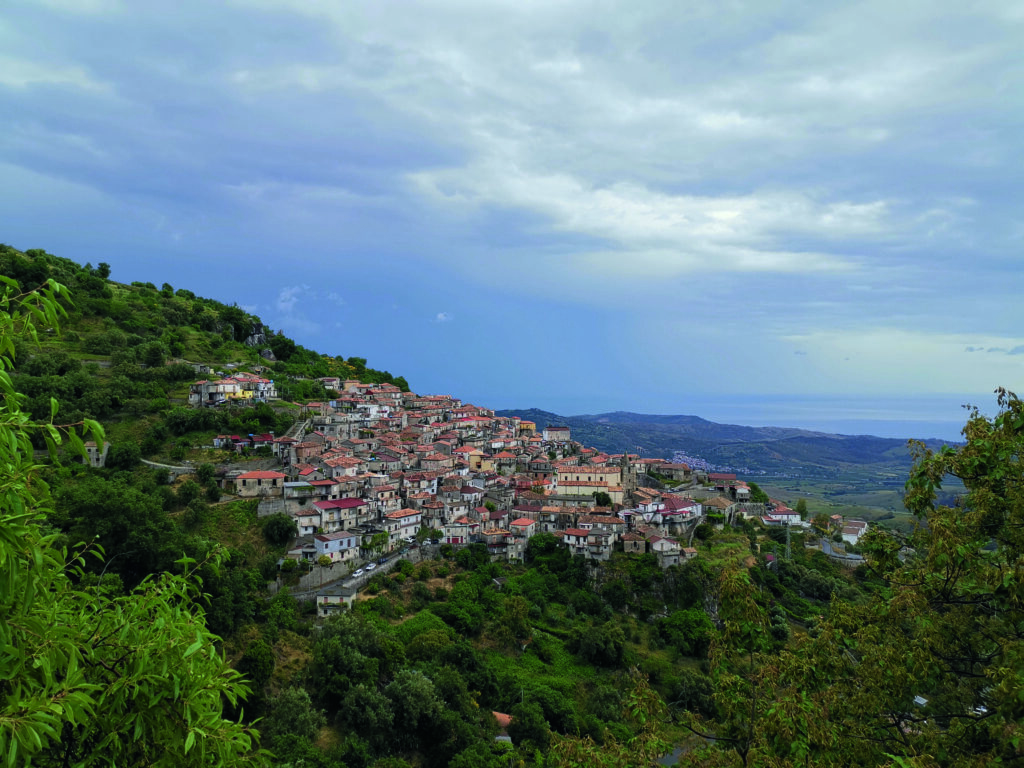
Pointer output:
x,y
194,647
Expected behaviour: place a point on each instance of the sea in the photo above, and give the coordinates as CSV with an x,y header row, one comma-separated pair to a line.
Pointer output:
x,y
920,417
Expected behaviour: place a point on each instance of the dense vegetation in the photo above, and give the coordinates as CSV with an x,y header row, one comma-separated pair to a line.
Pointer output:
x,y
742,656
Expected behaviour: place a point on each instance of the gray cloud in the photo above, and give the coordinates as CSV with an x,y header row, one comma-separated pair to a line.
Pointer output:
x,y
768,169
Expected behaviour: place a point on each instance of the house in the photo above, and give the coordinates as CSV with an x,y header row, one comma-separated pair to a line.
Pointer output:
x,y
260,483
633,542
599,544
555,434
401,524
385,499
205,393
853,530
333,599
336,514
496,541
668,551
576,540
339,546
460,531
614,525
97,456
523,527
721,480
588,480
679,473
308,520
436,462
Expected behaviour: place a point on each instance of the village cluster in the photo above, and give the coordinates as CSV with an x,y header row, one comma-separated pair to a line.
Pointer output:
x,y
365,470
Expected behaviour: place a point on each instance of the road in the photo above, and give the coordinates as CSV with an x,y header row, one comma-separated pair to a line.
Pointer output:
x,y
413,555
826,547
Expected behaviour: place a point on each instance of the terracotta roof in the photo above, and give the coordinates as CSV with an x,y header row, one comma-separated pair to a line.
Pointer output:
x,y
340,504
262,474
402,513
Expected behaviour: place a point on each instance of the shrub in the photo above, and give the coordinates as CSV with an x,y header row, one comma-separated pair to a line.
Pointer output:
x,y
279,529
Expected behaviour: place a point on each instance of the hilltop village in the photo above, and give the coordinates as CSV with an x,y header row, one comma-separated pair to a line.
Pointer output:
x,y
372,469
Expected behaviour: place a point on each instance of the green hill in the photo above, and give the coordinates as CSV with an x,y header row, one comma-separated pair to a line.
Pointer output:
x,y
126,354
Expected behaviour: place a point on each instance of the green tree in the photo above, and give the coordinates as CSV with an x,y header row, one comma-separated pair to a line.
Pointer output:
x,y
134,532
291,713
279,529
929,670
123,456
188,492
801,508
257,663
757,495
92,676
704,532
205,472
376,543
528,725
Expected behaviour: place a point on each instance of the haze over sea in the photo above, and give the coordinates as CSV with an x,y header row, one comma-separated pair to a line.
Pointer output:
x,y
921,416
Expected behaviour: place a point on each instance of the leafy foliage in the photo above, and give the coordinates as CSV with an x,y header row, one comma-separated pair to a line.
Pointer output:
x,y
92,676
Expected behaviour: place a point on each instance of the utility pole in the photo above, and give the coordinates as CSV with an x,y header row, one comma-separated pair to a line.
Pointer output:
x,y
789,552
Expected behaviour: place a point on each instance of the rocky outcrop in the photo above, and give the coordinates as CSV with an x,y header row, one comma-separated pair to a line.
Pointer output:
x,y
258,337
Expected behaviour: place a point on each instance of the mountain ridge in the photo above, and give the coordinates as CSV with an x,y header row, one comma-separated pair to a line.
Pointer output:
x,y
758,449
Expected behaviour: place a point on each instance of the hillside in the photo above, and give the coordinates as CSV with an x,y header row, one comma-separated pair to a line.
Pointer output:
x,y
127,353
587,652
731,447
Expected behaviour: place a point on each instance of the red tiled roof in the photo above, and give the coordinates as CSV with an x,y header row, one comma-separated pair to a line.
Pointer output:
x,y
262,474
402,513
340,504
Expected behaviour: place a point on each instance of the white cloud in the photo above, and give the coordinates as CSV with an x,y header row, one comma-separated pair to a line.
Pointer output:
x,y
84,6
665,231
443,317
23,73
289,297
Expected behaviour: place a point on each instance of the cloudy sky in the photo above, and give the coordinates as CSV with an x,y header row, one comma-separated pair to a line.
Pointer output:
x,y
758,212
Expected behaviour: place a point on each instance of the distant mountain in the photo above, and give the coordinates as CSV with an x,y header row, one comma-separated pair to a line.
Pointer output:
x,y
754,449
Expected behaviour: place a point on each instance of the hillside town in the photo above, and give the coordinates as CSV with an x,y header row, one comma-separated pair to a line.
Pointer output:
x,y
371,469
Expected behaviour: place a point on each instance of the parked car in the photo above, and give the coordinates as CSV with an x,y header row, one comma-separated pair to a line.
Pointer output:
x,y
371,566
358,573
382,561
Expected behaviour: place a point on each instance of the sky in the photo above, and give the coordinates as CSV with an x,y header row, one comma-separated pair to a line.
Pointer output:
x,y
792,213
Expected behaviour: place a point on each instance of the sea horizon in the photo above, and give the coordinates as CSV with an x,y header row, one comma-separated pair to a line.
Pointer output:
x,y
921,417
